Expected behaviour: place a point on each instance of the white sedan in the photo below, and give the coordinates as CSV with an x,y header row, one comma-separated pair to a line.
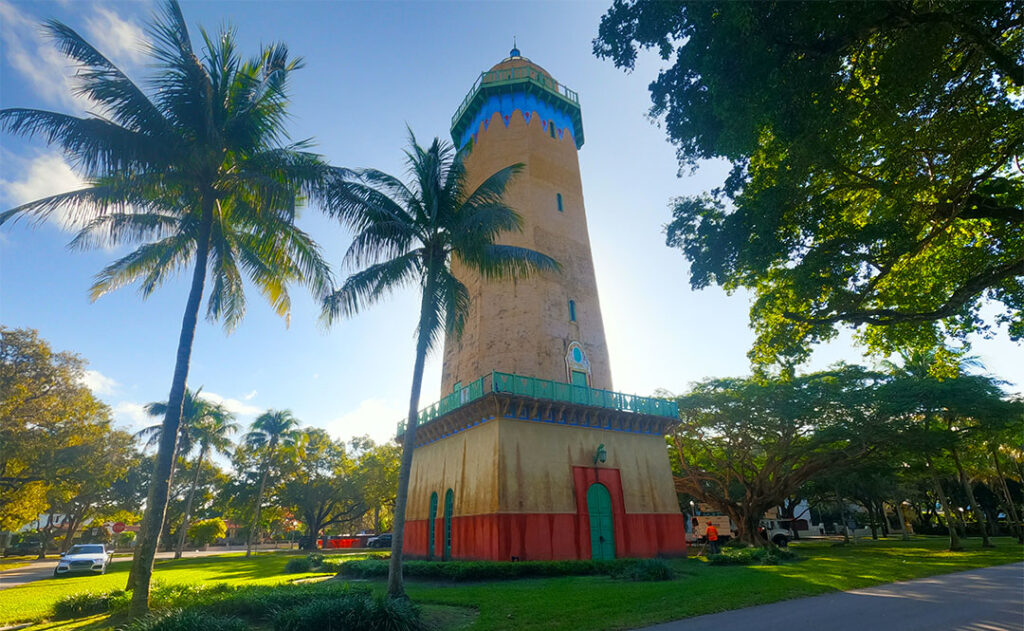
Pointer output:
x,y
87,557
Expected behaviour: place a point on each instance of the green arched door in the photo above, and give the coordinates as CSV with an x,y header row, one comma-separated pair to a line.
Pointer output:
x,y
602,527
430,526
449,501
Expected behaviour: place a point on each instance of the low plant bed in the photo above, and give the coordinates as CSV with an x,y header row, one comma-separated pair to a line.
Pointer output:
x,y
768,555
508,570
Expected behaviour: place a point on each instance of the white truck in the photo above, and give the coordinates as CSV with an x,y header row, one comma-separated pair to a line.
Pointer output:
x,y
775,530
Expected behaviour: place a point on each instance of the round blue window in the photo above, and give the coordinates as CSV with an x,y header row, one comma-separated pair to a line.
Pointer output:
x,y
577,354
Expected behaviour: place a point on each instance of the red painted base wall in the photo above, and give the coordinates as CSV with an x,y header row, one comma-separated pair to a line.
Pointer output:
x,y
552,536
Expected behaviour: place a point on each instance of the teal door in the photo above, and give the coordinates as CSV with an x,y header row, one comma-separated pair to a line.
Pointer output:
x,y
579,378
449,501
602,528
430,527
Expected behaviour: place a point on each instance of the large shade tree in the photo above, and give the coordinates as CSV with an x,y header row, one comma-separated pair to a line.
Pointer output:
x,y
745,445
409,235
198,172
875,148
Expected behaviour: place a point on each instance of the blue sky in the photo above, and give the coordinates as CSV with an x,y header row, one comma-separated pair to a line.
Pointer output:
x,y
371,68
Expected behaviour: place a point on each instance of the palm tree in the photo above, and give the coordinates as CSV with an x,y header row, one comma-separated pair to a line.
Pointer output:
x,y
273,429
410,235
199,172
193,408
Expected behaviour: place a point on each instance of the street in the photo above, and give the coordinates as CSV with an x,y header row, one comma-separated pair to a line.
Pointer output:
x,y
987,599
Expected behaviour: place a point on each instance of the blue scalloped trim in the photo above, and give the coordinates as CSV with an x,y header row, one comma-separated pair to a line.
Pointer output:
x,y
526,105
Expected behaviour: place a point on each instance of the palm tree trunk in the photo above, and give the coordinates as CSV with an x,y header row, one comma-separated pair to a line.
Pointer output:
x,y
254,528
188,503
1011,506
969,490
396,586
159,486
954,539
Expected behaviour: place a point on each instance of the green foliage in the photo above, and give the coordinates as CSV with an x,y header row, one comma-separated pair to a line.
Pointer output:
x,y
84,604
206,531
491,570
358,612
745,443
186,620
766,555
875,149
649,570
298,565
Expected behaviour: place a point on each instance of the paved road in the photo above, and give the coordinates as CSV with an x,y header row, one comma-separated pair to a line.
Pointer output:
x,y
989,599
37,570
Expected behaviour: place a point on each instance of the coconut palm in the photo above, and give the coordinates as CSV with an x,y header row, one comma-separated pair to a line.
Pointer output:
x,y
204,424
273,429
410,235
197,173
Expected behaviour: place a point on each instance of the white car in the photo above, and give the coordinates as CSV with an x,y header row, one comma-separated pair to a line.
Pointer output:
x,y
86,557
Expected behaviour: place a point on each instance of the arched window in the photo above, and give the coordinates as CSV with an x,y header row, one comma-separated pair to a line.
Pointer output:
x,y
572,311
449,503
558,198
430,526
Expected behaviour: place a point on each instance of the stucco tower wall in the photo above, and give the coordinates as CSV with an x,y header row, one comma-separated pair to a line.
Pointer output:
x,y
537,460
524,327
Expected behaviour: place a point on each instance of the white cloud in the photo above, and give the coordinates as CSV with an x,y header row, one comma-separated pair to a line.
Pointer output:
x,y
374,417
43,176
250,396
132,416
118,39
98,382
234,406
29,52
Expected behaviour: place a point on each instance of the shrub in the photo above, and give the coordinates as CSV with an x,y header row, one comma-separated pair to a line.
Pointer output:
x,y
485,570
185,620
316,559
262,601
81,605
206,531
298,565
357,612
649,570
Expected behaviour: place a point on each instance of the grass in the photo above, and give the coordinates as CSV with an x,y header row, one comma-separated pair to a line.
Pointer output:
x,y
35,600
591,603
12,562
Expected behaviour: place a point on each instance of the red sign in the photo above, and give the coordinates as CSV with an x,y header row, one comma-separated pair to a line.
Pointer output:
x,y
118,527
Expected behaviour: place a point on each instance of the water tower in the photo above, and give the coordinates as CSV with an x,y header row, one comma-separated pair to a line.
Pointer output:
x,y
529,454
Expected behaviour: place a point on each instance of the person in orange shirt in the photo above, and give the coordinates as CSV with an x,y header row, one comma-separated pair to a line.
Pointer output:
x,y
712,536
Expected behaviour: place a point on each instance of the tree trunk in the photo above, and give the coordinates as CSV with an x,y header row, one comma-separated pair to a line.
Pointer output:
x,y
159,487
71,526
969,490
903,521
954,539
1011,506
396,586
45,536
188,502
254,528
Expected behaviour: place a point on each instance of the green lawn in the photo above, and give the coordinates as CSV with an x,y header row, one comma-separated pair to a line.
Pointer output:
x,y
35,600
584,603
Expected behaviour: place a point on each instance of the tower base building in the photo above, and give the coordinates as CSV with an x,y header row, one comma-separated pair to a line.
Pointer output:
x,y
530,455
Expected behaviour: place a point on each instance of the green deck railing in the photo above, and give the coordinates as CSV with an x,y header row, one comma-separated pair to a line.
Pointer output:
x,y
515,75
548,390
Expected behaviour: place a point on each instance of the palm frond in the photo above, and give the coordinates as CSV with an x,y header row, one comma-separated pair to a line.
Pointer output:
x,y
104,83
500,262
151,263
367,287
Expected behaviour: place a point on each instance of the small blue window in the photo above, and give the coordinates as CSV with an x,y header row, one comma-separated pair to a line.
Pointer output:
x,y
558,196
572,311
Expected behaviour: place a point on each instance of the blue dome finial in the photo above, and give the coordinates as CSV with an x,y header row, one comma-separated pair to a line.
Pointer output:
x,y
515,51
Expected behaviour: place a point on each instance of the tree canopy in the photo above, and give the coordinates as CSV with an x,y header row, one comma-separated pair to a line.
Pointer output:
x,y
875,151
